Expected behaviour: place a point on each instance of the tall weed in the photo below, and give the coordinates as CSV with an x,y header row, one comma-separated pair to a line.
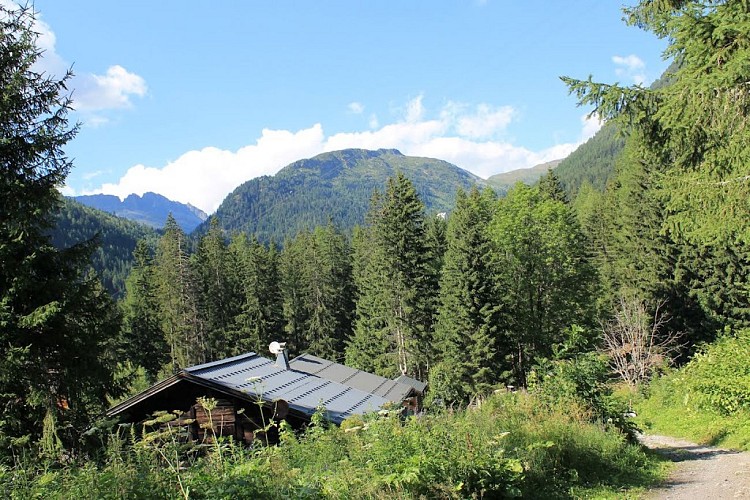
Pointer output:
x,y
511,445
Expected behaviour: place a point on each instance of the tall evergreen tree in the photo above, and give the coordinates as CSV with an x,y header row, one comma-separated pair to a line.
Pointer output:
x,y
318,302
145,344
292,264
468,321
693,132
370,348
260,318
178,299
397,300
58,328
550,185
216,283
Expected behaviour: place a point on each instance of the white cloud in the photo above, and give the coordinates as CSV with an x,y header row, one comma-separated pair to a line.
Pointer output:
x,y
109,91
590,126
92,93
414,109
631,67
356,108
205,177
91,175
485,122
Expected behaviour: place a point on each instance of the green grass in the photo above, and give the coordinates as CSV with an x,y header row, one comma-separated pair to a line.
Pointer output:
x,y
668,410
707,401
514,445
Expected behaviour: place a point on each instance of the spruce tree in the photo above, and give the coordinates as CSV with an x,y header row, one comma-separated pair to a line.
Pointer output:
x,y
216,283
317,290
59,329
178,298
292,263
145,344
468,321
396,286
260,317
692,132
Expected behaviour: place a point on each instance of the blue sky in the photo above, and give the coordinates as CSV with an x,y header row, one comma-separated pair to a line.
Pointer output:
x,y
192,98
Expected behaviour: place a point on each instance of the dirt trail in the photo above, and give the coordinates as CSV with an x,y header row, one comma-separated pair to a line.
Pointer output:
x,y
702,472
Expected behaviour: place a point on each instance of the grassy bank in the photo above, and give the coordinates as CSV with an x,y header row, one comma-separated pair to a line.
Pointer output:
x,y
513,445
707,401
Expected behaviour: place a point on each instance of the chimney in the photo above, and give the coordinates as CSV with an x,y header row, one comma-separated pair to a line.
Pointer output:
x,y
282,358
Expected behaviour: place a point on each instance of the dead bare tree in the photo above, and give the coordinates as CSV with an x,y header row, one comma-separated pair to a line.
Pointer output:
x,y
638,344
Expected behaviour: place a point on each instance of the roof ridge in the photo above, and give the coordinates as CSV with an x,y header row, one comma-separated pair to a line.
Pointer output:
x,y
212,364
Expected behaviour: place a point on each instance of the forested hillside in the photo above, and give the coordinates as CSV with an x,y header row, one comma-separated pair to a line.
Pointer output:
x,y
333,186
116,240
501,183
593,162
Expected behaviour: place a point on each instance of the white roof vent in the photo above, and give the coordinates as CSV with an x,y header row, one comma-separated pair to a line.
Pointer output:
x,y
282,358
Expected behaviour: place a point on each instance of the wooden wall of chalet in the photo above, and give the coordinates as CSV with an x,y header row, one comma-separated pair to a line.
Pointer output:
x,y
244,422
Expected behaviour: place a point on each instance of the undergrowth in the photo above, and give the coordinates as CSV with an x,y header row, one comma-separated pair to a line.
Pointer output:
x,y
512,445
707,401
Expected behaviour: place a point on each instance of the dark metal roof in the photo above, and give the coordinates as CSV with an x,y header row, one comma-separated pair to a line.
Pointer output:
x,y
412,382
391,390
253,377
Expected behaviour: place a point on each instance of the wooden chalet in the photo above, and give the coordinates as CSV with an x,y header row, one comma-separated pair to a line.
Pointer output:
x,y
250,391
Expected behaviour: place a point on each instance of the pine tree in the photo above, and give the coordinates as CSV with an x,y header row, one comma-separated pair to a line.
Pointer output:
x,y
216,282
178,301
468,321
145,344
396,299
58,328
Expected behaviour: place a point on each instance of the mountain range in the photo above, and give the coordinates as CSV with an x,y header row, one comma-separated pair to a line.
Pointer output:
x,y
335,186
150,209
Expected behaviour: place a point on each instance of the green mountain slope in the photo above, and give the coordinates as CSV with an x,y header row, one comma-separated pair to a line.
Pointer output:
x,y
503,182
113,258
335,186
593,161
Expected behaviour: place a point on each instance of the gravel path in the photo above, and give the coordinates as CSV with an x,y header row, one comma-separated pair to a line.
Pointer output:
x,y
702,472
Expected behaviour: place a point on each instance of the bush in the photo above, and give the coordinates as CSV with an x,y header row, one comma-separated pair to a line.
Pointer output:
x,y
718,377
581,384
707,400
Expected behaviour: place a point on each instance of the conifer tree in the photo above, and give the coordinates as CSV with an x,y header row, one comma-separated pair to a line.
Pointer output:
x,y
468,321
396,295
550,185
59,330
318,302
145,344
178,300
260,317
693,132
292,262
216,282
370,347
